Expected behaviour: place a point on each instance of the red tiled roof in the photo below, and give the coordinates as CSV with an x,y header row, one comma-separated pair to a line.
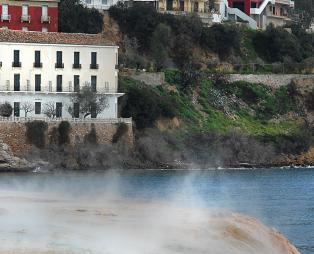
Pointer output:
x,y
7,35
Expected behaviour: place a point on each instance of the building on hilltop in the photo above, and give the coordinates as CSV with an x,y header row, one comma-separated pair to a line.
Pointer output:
x,y
33,15
106,4
265,12
255,13
44,69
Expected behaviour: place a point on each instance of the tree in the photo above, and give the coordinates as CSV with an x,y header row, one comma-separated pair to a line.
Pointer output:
x,y
6,109
50,109
76,18
160,45
90,103
27,107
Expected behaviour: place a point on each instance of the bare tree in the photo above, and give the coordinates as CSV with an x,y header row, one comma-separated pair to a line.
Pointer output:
x,y
89,101
28,107
50,109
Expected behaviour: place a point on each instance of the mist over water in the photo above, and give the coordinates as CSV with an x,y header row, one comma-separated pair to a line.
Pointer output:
x,y
152,212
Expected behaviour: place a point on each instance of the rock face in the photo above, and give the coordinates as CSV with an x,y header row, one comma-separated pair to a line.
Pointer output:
x,y
9,162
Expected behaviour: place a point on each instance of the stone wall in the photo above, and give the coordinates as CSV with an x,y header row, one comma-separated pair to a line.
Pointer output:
x,y
14,134
272,80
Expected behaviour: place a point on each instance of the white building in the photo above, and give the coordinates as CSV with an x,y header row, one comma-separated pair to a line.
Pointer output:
x,y
106,4
45,69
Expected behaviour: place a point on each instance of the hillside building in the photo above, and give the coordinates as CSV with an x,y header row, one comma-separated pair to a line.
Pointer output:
x,y
45,69
33,15
255,13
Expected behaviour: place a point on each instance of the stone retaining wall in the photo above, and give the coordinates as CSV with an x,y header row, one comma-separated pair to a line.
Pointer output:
x,y
14,134
272,80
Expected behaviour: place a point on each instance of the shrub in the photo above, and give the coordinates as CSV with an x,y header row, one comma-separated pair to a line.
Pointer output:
x,y
64,132
91,137
6,109
35,133
145,105
121,130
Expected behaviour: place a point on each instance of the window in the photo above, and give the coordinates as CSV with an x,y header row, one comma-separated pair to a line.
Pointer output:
x,y
37,108
104,2
37,62
59,109
16,109
59,83
24,10
17,82
94,64
93,83
59,63
37,82
25,17
5,10
44,11
93,111
25,29
44,29
76,83
76,64
76,110
16,59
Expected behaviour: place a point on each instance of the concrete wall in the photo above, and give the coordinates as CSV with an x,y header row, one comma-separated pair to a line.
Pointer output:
x,y
272,80
14,134
152,79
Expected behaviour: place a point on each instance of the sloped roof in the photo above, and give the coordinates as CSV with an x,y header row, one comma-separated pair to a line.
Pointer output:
x,y
14,36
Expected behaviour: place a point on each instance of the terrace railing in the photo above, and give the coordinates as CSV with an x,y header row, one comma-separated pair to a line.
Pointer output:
x,y
71,120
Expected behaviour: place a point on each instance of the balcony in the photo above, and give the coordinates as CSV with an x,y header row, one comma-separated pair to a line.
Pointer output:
x,y
5,17
77,66
38,65
26,18
59,65
45,19
94,66
16,64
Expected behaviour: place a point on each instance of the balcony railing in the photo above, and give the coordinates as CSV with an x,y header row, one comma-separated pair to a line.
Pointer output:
x,y
59,65
26,18
5,17
94,66
71,120
77,66
16,64
45,19
38,65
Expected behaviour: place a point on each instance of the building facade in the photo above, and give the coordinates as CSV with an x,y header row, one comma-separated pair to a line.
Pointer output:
x,y
41,15
106,4
264,12
45,69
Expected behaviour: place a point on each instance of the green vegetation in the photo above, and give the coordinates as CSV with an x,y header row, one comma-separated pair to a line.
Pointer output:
x,y
64,132
76,18
6,109
144,104
35,133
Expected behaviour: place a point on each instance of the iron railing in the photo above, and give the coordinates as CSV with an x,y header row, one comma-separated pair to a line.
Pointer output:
x,y
71,120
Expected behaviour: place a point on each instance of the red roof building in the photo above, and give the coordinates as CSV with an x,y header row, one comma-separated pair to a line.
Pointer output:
x,y
41,15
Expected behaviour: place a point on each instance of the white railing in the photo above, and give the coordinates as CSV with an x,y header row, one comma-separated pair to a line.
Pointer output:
x,y
5,17
262,7
45,19
71,120
25,18
239,14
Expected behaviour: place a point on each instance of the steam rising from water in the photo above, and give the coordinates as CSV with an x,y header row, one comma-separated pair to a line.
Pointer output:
x,y
49,220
